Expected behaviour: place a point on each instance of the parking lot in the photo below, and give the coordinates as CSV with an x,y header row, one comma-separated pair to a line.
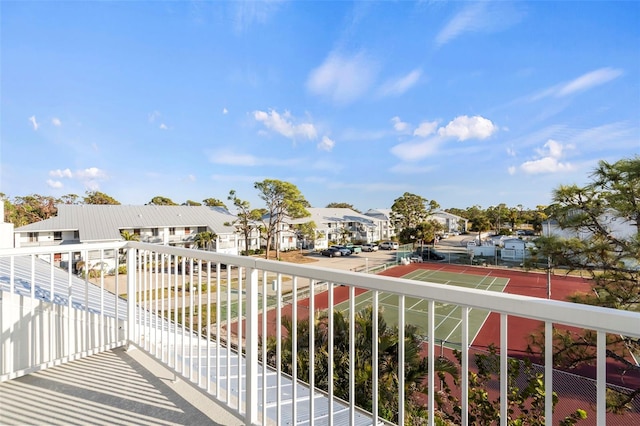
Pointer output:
x,y
354,262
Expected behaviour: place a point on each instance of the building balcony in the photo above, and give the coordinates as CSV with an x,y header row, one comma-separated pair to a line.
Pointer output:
x,y
122,349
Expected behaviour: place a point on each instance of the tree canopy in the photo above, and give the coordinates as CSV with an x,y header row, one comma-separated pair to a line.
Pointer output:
x,y
282,199
214,202
342,206
97,197
600,223
161,201
409,210
247,220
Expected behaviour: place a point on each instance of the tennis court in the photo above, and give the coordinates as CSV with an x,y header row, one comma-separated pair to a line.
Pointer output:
x,y
447,317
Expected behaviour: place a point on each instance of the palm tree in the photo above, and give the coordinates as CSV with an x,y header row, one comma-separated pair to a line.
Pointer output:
x,y
129,236
416,366
204,240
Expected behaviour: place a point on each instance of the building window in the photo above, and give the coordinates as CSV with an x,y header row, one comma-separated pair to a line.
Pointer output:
x,y
202,229
172,231
33,237
187,230
57,236
136,232
155,232
76,235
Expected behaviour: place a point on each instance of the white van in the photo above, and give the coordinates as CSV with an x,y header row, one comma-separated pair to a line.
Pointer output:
x,y
388,245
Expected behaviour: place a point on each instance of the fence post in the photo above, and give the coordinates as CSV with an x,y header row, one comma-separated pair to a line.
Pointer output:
x,y
131,296
251,358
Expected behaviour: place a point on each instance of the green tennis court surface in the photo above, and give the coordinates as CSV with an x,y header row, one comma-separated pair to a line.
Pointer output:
x,y
447,316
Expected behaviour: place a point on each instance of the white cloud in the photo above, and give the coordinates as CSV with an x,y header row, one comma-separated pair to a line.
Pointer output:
x,y
580,84
413,151
512,170
400,85
483,17
225,111
426,128
248,160
153,116
464,127
55,184
66,173
343,79
234,159
91,173
249,12
284,125
326,144
589,80
33,122
549,161
163,126
399,125
327,166
56,122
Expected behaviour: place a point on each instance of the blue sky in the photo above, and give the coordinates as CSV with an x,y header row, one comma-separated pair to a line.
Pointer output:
x,y
464,103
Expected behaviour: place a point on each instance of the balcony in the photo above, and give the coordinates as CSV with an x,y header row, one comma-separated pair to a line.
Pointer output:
x,y
73,331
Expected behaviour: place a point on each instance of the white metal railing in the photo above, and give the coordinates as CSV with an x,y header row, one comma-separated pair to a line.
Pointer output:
x,y
219,348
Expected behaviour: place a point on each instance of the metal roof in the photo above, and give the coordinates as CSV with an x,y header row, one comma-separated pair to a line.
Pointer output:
x,y
104,222
321,215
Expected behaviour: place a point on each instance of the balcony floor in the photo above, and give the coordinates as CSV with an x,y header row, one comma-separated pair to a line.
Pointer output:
x,y
116,387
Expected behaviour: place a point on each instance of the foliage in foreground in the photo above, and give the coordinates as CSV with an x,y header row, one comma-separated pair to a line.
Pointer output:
x,y
600,223
526,404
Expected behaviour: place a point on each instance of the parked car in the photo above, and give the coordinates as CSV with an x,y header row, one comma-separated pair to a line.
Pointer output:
x,y
388,245
370,247
429,253
354,249
345,251
331,252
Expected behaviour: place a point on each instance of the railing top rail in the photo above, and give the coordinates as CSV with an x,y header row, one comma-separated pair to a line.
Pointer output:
x,y
590,317
62,248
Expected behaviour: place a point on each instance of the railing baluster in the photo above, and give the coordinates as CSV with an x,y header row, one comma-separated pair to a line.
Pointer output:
x,y
548,372
218,327
294,349
228,352
157,294
375,356
131,288
183,317
252,361
330,359
239,339
101,318
192,311
432,359
265,370
279,349
464,348
208,385
401,361
312,351
504,364
601,378
352,355
176,312
199,324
